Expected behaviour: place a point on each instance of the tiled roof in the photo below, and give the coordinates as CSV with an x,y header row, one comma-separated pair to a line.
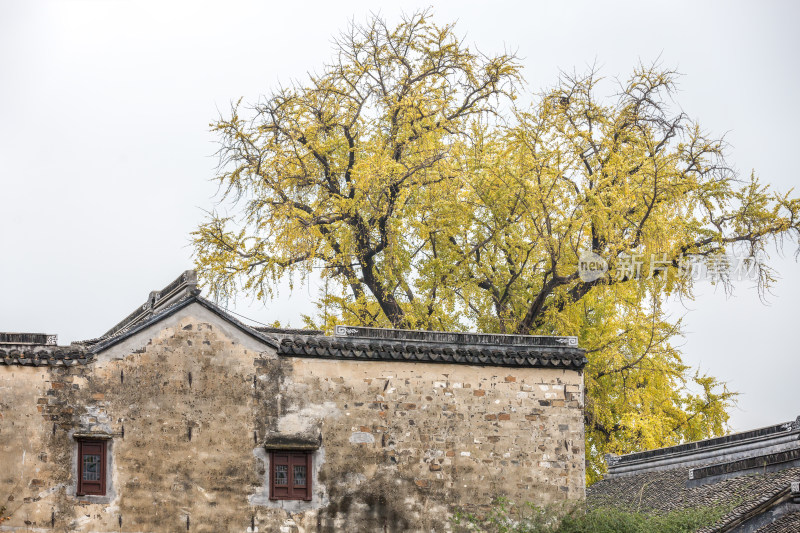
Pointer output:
x,y
312,344
788,523
421,352
669,490
350,342
56,357
752,476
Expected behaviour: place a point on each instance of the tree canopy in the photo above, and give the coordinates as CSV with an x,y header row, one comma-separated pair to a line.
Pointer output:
x,y
430,189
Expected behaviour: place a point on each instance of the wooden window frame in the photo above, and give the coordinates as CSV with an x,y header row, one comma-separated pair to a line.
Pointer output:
x,y
90,447
292,458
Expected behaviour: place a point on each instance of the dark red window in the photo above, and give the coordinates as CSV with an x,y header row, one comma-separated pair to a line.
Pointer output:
x,y
92,467
289,475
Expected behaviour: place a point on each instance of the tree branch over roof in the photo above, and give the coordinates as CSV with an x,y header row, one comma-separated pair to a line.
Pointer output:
x,y
410,178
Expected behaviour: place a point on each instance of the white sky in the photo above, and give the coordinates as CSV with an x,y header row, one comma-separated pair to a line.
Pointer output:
x,y
106,157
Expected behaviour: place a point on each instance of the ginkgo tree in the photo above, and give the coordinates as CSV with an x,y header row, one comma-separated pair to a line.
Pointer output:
x,y
429,189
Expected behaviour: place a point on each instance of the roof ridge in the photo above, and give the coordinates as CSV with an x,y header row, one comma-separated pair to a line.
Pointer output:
x,y
734,447
748,463
176,306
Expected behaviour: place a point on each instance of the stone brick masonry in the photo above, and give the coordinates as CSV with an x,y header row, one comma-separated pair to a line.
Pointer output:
x,y
188,402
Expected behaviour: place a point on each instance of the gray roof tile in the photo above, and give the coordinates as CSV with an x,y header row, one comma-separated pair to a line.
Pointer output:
x,y
788,523
421,352
669,490
56,357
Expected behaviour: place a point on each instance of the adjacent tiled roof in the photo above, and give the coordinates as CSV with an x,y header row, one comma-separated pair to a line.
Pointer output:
x,y
757,448
56,357
669,490
419,352
773,460
788,523
694,448
751,476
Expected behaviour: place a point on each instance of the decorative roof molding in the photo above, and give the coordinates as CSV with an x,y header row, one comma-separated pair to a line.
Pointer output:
x,y
28,339
447,337
283,332
760,462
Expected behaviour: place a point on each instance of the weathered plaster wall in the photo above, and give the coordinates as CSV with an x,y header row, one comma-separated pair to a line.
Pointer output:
x,y
26,470
405,440
190,402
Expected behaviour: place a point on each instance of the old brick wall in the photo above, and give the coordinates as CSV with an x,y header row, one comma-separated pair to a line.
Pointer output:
x,y
27,472
189,404
412,439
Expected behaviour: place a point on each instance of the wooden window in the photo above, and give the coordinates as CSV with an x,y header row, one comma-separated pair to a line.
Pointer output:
x,y
289,475
92,467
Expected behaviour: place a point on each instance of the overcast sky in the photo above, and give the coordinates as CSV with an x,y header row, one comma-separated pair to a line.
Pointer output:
x,y
107,159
